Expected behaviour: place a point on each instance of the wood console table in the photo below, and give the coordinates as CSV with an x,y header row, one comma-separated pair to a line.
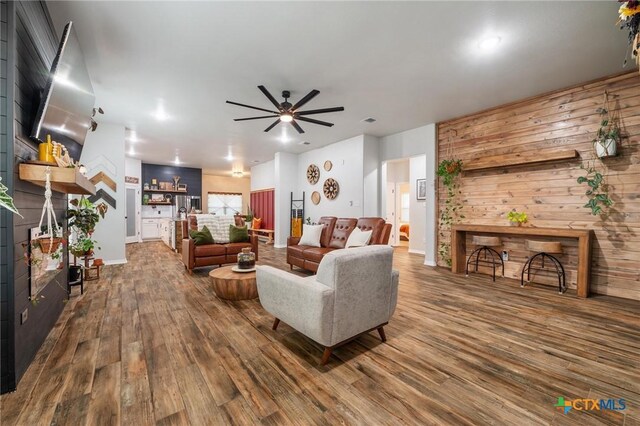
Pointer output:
x,y
584,237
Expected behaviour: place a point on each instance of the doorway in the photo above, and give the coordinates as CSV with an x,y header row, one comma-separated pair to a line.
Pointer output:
x,y
398,201
132,214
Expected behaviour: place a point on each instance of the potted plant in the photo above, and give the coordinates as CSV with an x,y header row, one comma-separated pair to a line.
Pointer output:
x,y
597,191
448,170
517,219
83,217
608,134
49,241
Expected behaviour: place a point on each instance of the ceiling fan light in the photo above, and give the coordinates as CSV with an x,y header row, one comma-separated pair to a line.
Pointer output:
x,y
286,118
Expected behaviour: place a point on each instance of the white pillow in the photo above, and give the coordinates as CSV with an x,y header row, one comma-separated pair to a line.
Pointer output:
x,y
311,235
358,238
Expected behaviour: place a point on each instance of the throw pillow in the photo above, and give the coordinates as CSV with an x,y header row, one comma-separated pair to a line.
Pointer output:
x,y
201,237
256,223
238,234
358,238
311,235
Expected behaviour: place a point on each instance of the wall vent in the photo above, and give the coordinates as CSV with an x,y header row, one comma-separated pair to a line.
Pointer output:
x,y
369,120
305,143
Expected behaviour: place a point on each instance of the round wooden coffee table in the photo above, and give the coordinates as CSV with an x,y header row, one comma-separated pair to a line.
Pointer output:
x,y
231,285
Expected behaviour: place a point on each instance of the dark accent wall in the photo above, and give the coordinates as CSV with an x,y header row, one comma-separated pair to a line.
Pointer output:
x,y
6,223
31,48
189,176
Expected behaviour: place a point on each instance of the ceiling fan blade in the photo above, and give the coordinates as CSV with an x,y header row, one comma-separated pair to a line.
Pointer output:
x,y
272,126
312,94
311,120
320,111
270,96
255,118
252,107
297,127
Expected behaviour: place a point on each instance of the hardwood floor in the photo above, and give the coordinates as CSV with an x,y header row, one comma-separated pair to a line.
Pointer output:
x,y
148,343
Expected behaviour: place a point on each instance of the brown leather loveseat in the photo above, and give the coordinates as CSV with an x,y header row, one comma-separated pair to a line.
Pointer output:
x,y
194,256
334,236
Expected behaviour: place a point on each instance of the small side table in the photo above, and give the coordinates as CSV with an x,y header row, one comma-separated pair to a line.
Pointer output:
x,y
230,285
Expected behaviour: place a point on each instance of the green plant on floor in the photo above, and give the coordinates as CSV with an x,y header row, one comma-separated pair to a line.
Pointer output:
x,y
517,218
6,201
449,171
597,191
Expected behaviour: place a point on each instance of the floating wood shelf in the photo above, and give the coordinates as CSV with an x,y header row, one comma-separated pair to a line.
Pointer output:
x,y
168,191
526,158
163,203
63,179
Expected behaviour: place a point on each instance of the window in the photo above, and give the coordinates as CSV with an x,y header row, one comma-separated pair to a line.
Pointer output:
x,y
404,208
224,203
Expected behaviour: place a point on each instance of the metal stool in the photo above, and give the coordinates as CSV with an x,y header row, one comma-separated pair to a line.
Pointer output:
x,y
543,250
485,244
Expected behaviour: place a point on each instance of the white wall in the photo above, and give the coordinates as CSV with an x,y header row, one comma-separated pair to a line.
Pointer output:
x,y
286,167
417,143
347,170
417,209
104,151
371,176
263,176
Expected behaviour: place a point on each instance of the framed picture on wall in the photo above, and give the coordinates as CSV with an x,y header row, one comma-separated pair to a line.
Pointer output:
x,y
421,189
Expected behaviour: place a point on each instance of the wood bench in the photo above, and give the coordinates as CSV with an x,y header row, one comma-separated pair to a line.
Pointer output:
x,y
263,232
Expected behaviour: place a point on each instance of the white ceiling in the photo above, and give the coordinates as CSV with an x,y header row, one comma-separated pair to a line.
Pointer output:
x,y
405,64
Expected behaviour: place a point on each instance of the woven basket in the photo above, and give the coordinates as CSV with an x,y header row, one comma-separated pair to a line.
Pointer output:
x,y
48,245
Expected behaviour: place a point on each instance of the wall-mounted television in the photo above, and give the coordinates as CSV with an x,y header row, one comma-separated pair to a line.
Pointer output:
x,y
68,98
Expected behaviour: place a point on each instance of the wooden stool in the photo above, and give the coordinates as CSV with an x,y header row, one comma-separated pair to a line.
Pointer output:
x,y
485,244
543,250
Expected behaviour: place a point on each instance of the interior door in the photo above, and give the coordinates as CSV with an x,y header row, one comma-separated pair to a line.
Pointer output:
x,y
391,212
132,212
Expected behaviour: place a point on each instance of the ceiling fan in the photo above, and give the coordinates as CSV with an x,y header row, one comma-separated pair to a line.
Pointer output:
x,y
288,113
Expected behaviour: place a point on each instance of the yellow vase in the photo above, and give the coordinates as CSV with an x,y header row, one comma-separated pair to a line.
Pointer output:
x,y
45,151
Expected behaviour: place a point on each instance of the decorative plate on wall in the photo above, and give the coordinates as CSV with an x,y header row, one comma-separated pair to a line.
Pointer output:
x,y
328,165
313,174
331,189
315,197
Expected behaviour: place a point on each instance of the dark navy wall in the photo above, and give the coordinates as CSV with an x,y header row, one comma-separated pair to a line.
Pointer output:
x,y
189,176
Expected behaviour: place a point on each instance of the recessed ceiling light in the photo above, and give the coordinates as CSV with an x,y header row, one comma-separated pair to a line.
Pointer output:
x,y
489,43
131,151
177,160
133,136
160,113
237,174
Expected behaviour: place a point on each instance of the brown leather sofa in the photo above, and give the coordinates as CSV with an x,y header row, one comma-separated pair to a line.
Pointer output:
x,y
334,236
194,256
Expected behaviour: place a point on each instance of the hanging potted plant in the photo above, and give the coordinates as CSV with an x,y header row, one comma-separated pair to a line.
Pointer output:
x,y
449,170
608,134
49,240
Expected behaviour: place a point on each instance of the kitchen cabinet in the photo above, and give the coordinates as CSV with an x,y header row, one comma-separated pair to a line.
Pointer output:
x,y
167,232
150,229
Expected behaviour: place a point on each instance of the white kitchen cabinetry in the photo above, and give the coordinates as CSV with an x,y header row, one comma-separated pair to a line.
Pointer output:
x,y
151,229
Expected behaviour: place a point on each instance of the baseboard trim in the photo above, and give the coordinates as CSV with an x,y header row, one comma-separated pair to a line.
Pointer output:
x,y
416,251
115,262
279,246
430,263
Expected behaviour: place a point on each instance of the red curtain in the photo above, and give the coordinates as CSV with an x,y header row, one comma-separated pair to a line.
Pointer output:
x,y
262,205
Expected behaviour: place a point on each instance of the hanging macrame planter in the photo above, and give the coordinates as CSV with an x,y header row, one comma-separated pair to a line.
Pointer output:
x,y
51,237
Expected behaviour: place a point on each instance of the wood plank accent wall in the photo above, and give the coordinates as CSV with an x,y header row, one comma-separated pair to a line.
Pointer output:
x,y
549,193
263,207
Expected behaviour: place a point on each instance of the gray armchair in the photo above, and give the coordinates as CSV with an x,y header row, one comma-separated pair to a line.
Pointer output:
x,y
354,292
